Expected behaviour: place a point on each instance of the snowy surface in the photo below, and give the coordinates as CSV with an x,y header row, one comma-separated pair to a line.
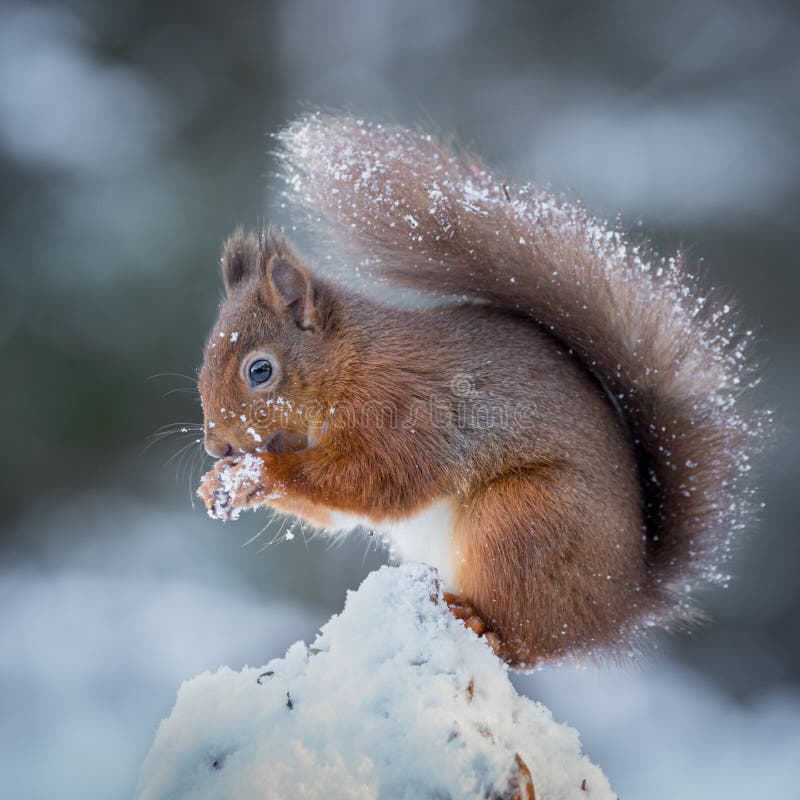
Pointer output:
x,y
395,698
128,599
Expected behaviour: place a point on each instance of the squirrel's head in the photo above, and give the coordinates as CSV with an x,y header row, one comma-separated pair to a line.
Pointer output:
x,y
267,358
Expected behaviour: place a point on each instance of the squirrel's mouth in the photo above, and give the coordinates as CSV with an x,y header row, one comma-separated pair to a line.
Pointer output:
x,y
285,440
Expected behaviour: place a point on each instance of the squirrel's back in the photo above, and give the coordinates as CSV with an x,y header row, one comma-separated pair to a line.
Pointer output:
x,y
670,357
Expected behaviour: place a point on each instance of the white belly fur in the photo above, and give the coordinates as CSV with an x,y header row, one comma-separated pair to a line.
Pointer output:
x,y
424,537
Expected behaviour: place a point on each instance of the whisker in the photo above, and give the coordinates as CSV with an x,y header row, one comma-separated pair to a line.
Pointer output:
x,y
179,426
278,534
253,538
173,375
273,513
158,437
264,547
184,464
195,473
181,461
304,532
194,461
181,451
161,439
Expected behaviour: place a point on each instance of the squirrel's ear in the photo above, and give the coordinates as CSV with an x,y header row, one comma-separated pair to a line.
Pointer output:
x,y
239,257
292,289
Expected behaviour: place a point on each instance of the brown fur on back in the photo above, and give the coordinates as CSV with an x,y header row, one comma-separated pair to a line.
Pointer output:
x,y
670,356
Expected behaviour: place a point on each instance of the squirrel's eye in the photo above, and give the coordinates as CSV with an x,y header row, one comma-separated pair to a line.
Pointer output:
x,y
259,372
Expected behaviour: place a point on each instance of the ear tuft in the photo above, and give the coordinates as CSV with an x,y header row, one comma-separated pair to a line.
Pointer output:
x,y
239,258
293,290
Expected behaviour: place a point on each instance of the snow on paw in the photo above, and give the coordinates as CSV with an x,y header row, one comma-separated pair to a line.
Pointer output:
x,y
234,485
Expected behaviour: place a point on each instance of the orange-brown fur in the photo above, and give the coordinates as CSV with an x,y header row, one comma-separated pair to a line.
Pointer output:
x,y
562,541
526,491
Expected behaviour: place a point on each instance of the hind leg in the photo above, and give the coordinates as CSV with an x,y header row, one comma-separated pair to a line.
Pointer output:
x,y
461,608
548,564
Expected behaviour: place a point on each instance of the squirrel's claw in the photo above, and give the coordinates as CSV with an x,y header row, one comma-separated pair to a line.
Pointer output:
x,y
462,609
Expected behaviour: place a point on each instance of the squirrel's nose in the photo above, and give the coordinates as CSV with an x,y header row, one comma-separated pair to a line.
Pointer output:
x,y
216,448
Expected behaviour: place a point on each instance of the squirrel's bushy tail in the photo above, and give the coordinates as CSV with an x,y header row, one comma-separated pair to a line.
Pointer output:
x,y
423,215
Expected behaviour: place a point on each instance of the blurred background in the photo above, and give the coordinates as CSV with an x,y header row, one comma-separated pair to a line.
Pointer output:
x,y
134,136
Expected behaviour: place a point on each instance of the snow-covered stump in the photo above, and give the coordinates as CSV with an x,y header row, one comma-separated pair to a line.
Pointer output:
x,y
394,699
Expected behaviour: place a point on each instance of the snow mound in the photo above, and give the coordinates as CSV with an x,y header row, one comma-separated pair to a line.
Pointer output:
x,y
394,699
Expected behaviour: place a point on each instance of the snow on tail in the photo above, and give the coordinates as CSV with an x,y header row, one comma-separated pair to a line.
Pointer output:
x,y
672,357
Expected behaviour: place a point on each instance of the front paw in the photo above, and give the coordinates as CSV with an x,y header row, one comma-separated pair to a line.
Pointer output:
x,y
234,485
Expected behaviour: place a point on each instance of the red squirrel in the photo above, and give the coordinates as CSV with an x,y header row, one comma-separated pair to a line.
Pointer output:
x,y
561,433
